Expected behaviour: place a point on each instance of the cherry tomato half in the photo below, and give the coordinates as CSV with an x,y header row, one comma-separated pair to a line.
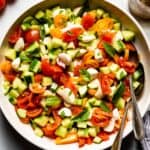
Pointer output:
x,y
2,4
12,39
72,34
88,21
32,35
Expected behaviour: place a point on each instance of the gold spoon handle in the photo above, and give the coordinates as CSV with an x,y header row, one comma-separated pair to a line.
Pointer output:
x,y
118,140
137,119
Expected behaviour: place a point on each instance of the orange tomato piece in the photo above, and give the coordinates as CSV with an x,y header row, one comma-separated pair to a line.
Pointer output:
x,y
38,78
6,67
56,32
34,113
60,20
104,135
76,110
81,142
36,88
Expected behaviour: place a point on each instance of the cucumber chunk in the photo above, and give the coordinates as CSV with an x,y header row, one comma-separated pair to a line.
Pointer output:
x,y
28,77
61,131
41,121
120,104
121,73
52,101
10,54
82,125
83,133
97,140
119,45
67,123
19,85
47,81
35,66
22,113
92,132
128,35
38,132
118,93
13,93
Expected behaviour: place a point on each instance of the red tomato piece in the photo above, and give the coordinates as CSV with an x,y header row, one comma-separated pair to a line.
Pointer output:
x,y
34,112
127,65
38,78
2,4
12,39
49,129
106,82
50,70
104,135
108,37
81,142
88,21
76,110
10,77
72,34
32,35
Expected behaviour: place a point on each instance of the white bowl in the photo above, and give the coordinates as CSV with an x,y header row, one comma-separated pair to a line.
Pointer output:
x,y
143,49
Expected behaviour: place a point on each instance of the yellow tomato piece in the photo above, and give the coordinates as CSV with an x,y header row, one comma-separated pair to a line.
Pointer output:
x,y
102,25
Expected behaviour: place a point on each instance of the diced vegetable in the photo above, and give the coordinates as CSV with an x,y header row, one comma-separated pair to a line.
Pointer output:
x,y
65,112
137,74
105,70
83,116
67,123
119,91
54,87
41,121
82,125
19,85
10,54
35,65
52,101
121,73
38,132
32,48
61,131
82,90
120,104
119,45
28,77
97,140
83,133
22,113
136,84
128,35
109,50
47,81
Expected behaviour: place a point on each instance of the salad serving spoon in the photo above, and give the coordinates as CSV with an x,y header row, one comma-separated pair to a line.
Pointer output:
x,y
137,121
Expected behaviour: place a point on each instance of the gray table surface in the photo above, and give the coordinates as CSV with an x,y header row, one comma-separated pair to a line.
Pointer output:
x,y
9,138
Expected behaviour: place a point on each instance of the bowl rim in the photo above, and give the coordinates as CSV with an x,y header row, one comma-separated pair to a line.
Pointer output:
x,y
12,123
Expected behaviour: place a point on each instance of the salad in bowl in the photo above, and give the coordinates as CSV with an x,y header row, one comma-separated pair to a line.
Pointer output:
x,y
66,73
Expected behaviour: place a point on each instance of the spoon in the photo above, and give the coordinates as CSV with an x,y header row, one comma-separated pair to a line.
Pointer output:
x,y
118,140
137,119
138,127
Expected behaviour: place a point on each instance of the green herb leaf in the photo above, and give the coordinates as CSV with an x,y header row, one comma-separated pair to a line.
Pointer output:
x,y
119,92
85,74
83,116
109,50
